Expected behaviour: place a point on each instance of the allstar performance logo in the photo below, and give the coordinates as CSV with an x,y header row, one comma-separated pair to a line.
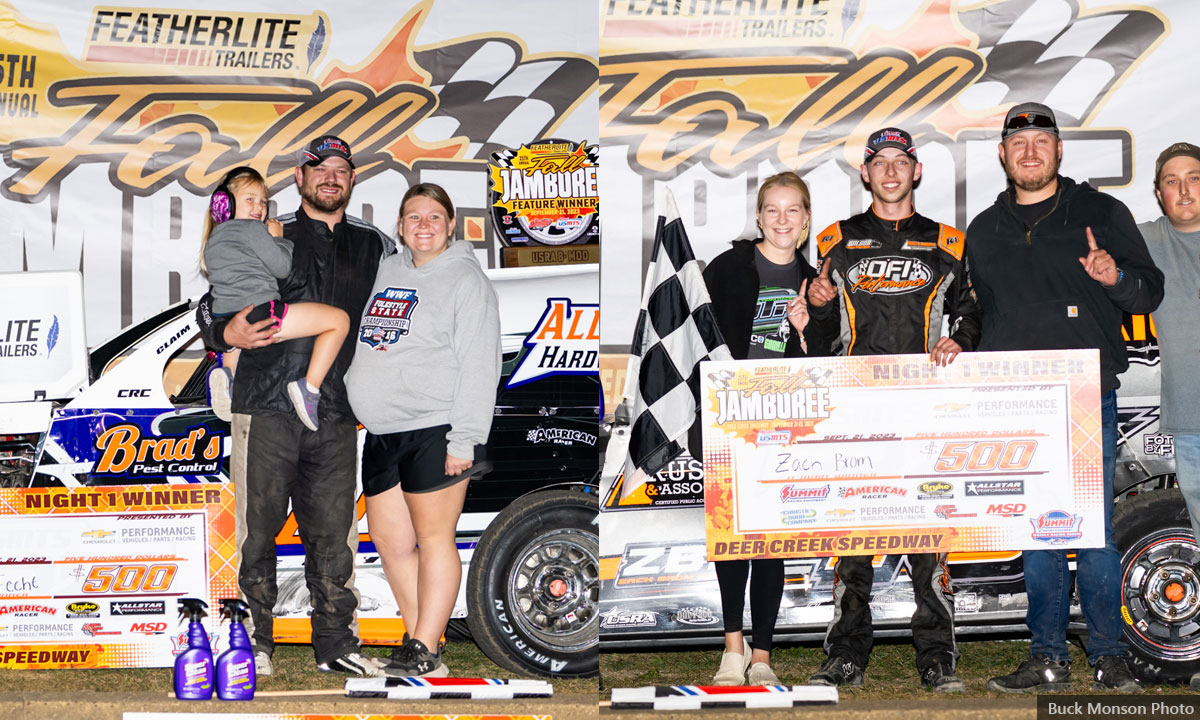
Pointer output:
x,y
983,488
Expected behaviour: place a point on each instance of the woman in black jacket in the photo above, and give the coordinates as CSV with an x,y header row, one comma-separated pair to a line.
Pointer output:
x,y
758,295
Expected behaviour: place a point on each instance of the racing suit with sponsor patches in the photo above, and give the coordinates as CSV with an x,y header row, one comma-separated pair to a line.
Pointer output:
x,y
275,459
895,281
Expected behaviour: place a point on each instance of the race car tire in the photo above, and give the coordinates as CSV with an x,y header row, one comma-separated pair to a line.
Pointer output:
x,y
1160,585
533,586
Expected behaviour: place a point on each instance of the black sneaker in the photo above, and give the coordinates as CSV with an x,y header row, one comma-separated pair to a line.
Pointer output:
x,y
415,660
838,670
1112,673
354,664
1037,674
941,678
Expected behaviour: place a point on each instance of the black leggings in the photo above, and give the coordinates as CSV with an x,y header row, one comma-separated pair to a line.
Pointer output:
x,y
766,591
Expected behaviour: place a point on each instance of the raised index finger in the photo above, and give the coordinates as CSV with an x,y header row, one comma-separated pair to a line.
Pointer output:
x,y
1091,239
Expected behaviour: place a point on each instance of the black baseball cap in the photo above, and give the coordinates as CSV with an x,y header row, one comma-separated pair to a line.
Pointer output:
x,y
324,147
890,137
1179,149
1029,116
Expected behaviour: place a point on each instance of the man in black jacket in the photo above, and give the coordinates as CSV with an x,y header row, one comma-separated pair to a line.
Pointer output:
x,y
275,458
889,276
1055,263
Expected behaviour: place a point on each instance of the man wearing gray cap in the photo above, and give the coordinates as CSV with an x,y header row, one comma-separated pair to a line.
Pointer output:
x,y
1174,243
1055,264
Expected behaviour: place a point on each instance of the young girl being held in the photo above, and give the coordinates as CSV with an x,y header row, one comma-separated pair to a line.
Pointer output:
x,y
244,257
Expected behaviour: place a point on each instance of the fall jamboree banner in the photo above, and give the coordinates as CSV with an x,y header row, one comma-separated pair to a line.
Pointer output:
x,y
120,120
708,98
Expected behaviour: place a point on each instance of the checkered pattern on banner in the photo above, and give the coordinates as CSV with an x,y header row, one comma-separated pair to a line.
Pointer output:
x,y
491,94
1046,52
675,331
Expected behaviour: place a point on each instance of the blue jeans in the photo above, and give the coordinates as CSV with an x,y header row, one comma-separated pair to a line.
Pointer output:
x,y
1098,572
1187,474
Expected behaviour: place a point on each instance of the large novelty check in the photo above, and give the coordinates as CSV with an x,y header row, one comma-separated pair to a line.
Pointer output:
x,y
892,454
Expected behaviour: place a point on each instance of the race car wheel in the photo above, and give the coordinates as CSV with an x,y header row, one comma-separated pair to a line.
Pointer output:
x,y
1160,581
534,583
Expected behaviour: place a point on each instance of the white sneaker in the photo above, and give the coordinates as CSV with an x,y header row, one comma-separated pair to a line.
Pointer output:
x,y
761,673
262,664
733,667
220,392
354,664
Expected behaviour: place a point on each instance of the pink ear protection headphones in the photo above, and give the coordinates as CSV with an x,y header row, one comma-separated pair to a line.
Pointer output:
x,y
222,205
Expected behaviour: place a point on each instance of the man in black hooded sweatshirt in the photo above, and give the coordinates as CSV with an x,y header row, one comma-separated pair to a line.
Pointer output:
x,y
1055,263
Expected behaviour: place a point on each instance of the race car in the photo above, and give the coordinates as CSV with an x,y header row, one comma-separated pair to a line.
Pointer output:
x,y
527,537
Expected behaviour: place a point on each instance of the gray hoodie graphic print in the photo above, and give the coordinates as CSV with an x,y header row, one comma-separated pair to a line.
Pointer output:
x,y
428,349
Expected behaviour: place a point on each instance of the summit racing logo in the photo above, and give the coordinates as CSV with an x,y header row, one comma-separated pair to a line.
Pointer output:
x,y
566,341
1056,527
387,317
799,493
888,275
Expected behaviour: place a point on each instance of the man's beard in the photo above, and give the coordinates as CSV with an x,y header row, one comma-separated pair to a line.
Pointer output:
x,y
1033,184
326,203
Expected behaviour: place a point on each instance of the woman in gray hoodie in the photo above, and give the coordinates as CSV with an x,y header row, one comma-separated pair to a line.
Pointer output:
x,y
423,383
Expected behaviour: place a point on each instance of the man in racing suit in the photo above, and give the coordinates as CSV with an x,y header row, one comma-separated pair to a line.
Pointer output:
x,y
890,275
276,458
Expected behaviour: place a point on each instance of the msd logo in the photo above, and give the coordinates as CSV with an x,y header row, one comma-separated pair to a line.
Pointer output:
x,y
1007,509
153,628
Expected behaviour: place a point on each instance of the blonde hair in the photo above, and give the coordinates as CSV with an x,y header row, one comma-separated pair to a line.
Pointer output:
x,y
785,179
791,180
233,183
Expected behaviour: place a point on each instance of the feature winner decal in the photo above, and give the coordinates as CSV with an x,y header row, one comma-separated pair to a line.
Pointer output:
x,y
387,317
566,341
545,193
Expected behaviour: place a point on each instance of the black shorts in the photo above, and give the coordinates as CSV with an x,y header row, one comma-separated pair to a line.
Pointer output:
x,y
414,459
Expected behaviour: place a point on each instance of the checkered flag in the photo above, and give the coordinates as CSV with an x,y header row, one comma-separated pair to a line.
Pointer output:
x,y
676,330
490,92
1037,53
